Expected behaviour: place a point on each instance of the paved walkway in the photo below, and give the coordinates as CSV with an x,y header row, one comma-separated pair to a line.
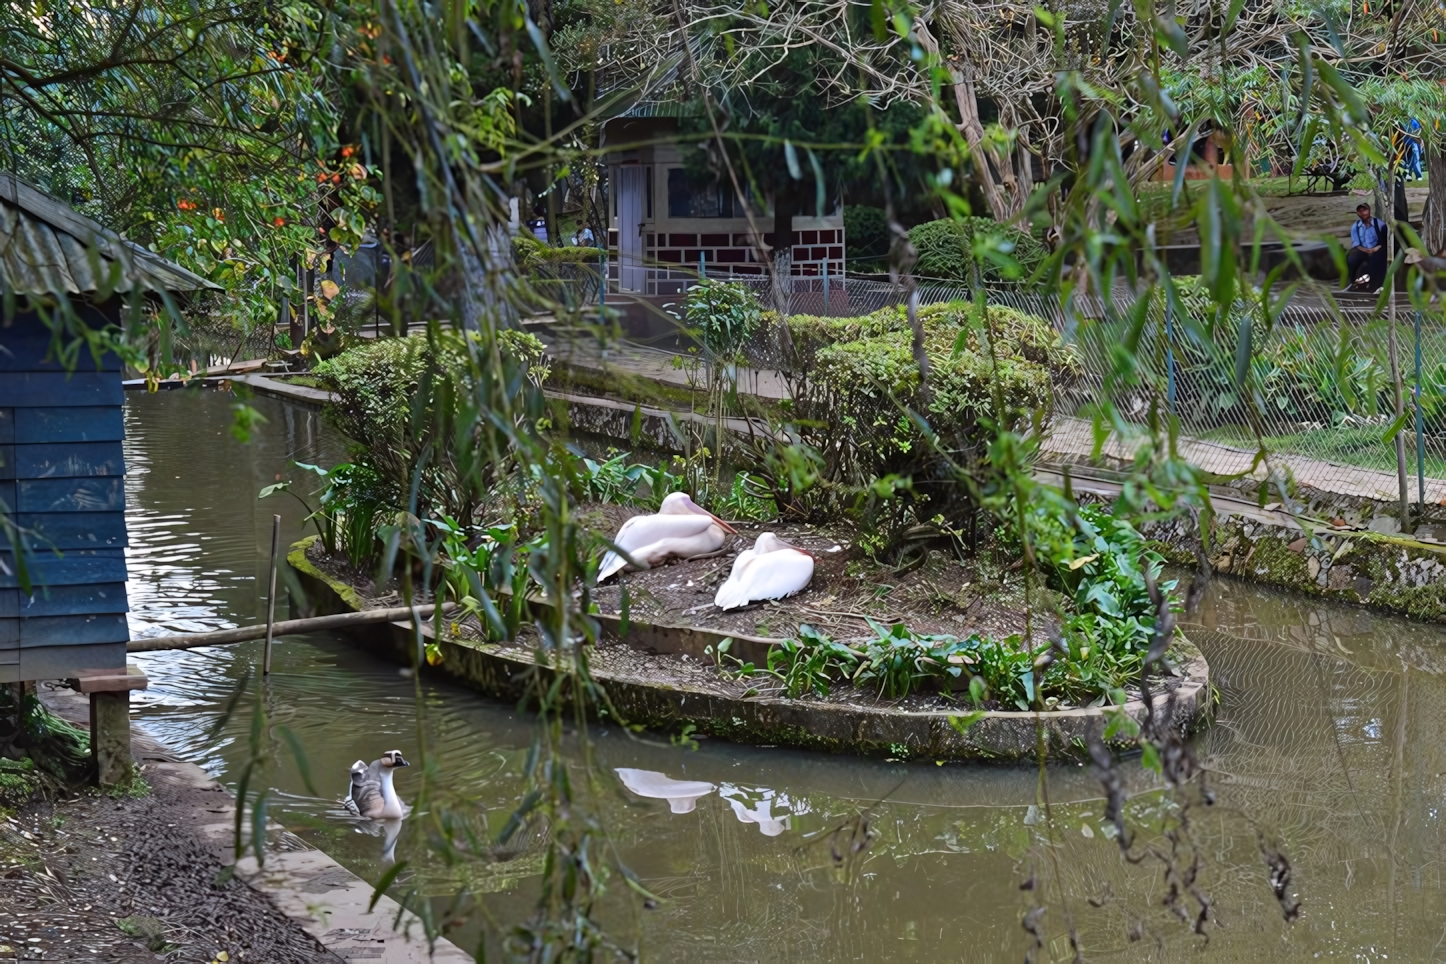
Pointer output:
x,y
1072,439
582,350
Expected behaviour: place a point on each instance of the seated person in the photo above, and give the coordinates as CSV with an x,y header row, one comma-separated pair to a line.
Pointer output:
x,y
1367,257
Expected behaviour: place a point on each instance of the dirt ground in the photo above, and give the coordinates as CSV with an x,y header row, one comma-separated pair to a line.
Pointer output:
x,y
1313,216
94,877
941,596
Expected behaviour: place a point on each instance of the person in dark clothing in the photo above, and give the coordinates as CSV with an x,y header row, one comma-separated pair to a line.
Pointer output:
x,y
1366,261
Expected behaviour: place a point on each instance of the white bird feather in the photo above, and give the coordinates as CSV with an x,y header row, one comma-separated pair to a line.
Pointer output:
x,y
772,569
680,528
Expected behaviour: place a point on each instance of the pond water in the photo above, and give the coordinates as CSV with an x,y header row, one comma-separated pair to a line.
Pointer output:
x,y
1329,745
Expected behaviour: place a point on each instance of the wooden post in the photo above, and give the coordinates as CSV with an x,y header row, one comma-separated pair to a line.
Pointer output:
x,y
110,718
271,595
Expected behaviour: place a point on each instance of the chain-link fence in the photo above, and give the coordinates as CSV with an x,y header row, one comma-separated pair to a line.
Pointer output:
x,y
1319,397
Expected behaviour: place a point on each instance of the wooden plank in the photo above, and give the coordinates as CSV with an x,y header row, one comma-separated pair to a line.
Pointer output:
x,y
56,460
7,461
45,389
70,495
7,426
9,634
72,630
76,568
74,530
7,495
90,598
28,354
69,424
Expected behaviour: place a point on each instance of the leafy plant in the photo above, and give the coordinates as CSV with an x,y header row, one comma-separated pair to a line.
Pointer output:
x,y
890,455
724,314
951,249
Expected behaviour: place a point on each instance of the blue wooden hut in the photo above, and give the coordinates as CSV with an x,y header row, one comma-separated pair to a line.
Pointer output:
x,y
61,471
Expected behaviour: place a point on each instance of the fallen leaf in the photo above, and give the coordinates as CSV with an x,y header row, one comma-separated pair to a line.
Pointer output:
x,y
1339,523
1083,561
1298,545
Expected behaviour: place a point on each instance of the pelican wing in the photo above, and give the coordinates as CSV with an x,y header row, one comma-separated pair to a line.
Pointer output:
x,y
675,534
768,575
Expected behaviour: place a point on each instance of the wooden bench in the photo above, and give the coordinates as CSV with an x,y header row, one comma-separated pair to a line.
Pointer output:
x,y
110,717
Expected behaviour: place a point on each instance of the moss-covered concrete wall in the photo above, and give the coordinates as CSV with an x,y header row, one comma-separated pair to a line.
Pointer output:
x,y
510,673
1347,562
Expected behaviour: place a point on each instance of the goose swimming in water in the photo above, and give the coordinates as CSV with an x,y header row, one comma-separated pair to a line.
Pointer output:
x,y
680,528
372,794
772,569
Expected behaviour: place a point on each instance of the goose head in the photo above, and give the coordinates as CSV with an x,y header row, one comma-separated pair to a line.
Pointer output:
x,y
392,759
681,503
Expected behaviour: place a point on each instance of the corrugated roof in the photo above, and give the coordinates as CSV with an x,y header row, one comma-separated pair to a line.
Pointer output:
x,y
46,248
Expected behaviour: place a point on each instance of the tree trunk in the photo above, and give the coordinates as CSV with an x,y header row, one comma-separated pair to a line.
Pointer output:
x,y
1433,228
973,130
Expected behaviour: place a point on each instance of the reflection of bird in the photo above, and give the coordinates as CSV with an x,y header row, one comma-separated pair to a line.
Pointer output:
x,y
760,813
680,528
372,794
682,795
772,569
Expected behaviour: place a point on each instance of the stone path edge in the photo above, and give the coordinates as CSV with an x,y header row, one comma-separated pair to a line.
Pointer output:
x,y
327,900
504,672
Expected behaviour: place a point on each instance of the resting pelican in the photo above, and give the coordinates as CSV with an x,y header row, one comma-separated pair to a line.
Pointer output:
x,y
680,528
772,569
682,795
372,794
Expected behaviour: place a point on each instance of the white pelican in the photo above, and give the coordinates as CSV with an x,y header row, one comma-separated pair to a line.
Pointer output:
x,y
680,528
372,794
682,795
772,569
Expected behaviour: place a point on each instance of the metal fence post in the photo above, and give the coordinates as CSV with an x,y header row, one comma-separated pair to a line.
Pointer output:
x,y
825,287
1420,429
1169,357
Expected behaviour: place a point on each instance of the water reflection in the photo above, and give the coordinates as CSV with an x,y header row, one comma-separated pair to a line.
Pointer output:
x,y
682,795
1328,744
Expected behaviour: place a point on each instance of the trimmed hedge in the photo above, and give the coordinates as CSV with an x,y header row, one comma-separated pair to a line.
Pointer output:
x,y
856,395
946,250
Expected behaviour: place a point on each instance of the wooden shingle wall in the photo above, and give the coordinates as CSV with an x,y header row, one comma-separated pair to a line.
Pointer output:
x,y
62,479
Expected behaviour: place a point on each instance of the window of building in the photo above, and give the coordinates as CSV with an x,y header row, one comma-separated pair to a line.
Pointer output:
x,y
691,199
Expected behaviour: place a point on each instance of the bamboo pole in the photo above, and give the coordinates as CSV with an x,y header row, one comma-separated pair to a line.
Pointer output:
x,y
288,627
271,596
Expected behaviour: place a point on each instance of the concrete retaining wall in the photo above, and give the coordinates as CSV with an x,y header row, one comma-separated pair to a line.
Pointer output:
x,y
510,673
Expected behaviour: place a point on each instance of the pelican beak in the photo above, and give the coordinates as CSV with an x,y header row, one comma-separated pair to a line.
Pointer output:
x,y
695,507
799,549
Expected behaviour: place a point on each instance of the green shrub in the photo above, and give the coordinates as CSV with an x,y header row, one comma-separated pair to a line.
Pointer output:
x,y
532,254
723,314
397,398
866,233
855,381
947,249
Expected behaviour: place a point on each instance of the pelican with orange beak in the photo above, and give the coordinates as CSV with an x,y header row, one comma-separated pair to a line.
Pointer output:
x,y
772,569
681,529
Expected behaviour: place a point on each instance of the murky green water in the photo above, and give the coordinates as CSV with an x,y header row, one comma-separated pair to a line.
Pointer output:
x,y
1329,744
